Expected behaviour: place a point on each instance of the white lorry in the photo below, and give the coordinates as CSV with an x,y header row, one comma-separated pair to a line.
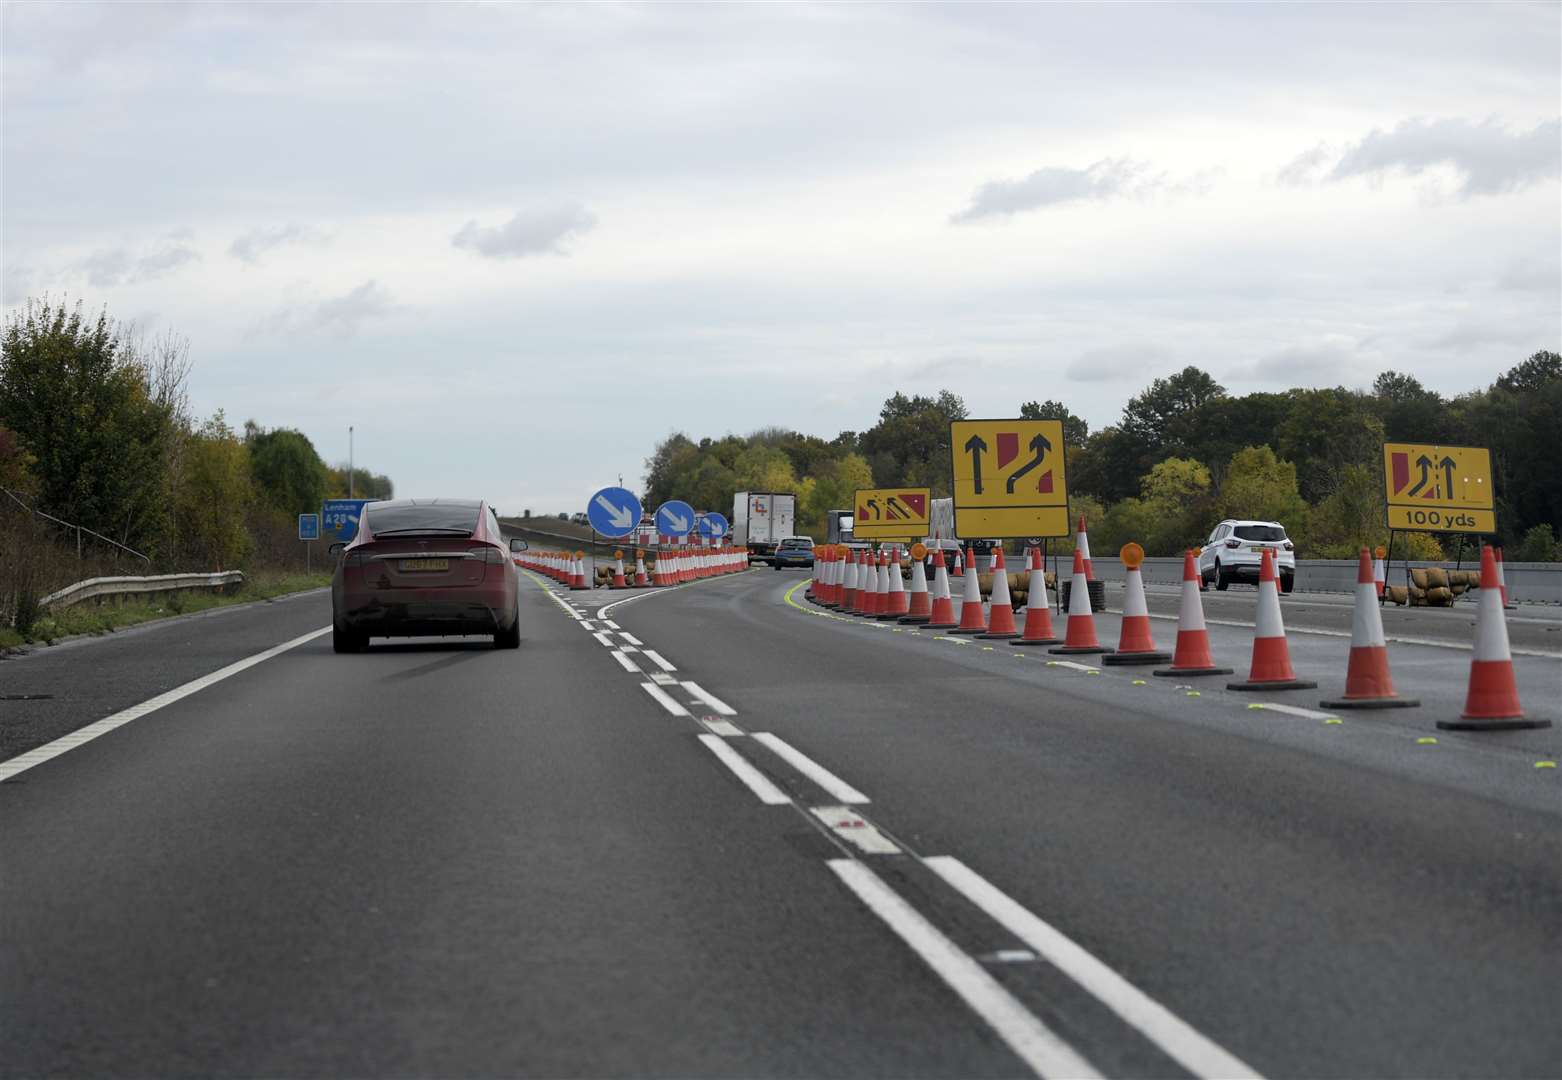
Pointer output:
x,y
761,519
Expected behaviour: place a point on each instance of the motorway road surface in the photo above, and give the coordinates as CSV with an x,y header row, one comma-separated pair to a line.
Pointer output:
x,y
716,831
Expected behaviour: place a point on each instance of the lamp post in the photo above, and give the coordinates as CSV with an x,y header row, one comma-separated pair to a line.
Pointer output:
x,y
349,461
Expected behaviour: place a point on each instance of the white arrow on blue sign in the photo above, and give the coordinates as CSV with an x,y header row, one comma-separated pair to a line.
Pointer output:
x,y
613,511
713,525
674,518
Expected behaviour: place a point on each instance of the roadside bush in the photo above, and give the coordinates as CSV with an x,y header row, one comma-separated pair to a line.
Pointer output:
x,y
1539,545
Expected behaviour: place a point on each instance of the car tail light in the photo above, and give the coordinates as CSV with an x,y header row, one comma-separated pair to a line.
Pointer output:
x,y
492,556
1233,543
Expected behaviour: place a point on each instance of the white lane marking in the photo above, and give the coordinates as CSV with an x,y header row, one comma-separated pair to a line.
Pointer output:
x,y
756,781
661,678
1293,710
603,639
628,649
627,636
696,690
811,769
1035,1044
723,728
586,624
1190,1049
1071,665
656,658
664,699
610,624
855,830
22,762
626,663
1392,639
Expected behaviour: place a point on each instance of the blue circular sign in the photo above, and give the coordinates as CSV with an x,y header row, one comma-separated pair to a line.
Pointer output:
x,y
674,518
613,511
713,525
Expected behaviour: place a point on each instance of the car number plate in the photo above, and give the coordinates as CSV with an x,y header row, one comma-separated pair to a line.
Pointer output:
x,y
425,564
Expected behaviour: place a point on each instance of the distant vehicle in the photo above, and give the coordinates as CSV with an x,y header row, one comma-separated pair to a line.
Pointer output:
x,y
579,519
760,519
1235,550
794,551
837,526
425,567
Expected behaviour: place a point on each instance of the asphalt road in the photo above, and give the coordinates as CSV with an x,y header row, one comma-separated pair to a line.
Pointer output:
x,y
716,831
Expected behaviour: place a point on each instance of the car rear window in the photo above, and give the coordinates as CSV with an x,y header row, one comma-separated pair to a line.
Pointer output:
x,y
1259,532
800,544
440,517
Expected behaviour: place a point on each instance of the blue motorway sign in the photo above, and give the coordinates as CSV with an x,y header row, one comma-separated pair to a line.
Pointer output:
x,y
674,518
309,526
713,525
613,511
339,517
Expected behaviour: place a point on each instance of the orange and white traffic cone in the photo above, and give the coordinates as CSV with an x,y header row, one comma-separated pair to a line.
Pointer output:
x,y
897,603
1038,612
1080,636
848,582
1379,572
1192,655
1502,583
1082,544
618,571
877,598
1367,681
942,616
1000,616
577,578
958,570
641,581
919,606
972,619
1271,666
1492,702
1135,642
866,583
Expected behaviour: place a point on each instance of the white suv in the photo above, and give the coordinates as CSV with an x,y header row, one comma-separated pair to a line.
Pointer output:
x,y
1235,549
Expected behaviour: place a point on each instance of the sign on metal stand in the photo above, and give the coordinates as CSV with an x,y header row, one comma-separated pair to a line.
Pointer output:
x,y
308,530
613,512
891,513
674,518
339,518
1009,478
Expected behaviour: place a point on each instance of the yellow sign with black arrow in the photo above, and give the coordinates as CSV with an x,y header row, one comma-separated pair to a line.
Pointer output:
x,y
1432,488
1009,478
891,513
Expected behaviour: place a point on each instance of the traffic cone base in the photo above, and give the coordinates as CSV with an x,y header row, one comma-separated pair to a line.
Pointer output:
x,y
914,620
1371,703
1036,641
1516,723
1120,658
1281,684
1080,650
1192,673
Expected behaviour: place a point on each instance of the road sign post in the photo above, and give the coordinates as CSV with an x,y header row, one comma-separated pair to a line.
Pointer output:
x,y
891,513
308,530
1009,478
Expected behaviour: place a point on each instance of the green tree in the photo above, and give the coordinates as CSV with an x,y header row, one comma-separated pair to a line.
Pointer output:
x,y
365,484
214,495
1150,418
910,443
1259,486
1539,371
1324,431
764,468
1409,411
1075,430
1539,545
288,472
1351,516
83,406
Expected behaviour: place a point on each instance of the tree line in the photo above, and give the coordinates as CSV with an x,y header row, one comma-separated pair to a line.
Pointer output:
x,y
1185,454
96,430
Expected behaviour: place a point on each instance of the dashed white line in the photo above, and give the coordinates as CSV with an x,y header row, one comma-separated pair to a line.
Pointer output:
x,y
664,699
1292,710
855,830
587,624
626,663
23,762
661,678
811,768
1190,1049
721,727
1071,665
656,658
1035,1044
610,624
627,636
605,640
695,690
756,781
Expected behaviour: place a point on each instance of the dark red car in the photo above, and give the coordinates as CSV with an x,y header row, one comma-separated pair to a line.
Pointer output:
x,y
426,567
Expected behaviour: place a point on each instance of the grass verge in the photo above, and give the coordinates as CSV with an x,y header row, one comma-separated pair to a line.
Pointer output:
x,y
102,618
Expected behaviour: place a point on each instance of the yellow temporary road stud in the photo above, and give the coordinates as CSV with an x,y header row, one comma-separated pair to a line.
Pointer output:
x,y
891,513
1009,478
1439,488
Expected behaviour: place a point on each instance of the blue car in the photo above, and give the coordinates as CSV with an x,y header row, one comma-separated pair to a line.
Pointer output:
x,y
795,551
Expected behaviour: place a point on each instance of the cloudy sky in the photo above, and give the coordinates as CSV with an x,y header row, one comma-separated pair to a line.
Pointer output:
x,y
517,245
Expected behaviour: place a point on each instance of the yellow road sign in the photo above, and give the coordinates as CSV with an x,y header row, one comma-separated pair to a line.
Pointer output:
x,y
891,513
1009,478
1439,488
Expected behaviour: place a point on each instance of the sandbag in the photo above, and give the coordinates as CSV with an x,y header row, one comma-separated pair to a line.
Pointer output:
x,y
1418,578
1440,597
1398,594
1436,577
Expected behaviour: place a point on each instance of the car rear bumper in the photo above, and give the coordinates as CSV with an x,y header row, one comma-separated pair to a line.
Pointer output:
x,y
434,612
1246,567
787,560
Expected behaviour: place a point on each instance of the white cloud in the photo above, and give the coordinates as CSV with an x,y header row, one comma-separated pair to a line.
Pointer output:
x,y
1487,157
255,243
1108,178
529,232
122,266
338,316
1113,363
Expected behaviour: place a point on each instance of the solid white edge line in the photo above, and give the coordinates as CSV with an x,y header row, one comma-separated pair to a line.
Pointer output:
x,y
1189,1048
656,658
664,699
756,781
23,762
626,663
811,768
710,699
627,636
1031,1040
